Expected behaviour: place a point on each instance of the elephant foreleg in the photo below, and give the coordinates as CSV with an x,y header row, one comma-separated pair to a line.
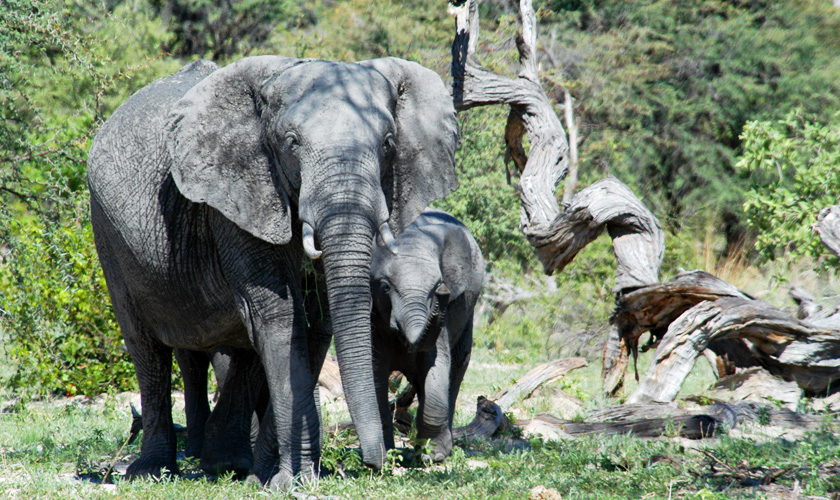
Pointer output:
x,y
283,345
433,414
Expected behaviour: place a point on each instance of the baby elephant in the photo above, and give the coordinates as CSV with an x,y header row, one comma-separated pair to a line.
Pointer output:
x,y
423,301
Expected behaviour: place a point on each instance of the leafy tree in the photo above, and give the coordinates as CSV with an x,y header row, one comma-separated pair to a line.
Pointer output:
x,y
63,66
664,88
794,171
222,29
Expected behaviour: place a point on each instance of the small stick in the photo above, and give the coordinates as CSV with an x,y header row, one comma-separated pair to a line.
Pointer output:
x,y
116,455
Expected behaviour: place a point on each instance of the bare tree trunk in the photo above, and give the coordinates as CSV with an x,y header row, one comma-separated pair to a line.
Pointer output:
x,y
572,178
638,240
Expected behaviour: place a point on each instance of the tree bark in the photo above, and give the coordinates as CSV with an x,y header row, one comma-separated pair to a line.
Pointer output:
x,y
557,236
572,179
540,375
652,309
787,347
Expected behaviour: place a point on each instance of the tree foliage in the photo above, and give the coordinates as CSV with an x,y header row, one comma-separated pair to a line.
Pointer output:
x,y
794,171
221,29
63,66
665,87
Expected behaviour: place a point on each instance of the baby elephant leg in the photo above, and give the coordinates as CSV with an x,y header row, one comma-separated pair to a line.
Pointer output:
x,y
434,415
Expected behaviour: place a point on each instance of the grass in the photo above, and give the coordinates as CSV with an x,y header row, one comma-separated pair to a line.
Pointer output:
x,y
61,448
46,446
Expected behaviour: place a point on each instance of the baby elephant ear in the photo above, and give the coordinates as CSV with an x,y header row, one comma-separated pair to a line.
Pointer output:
x,y
427,136
214,139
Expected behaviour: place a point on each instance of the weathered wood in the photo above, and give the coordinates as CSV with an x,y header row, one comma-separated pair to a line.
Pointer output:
x,y
656,306
694,426
489,418
807,303
572,178
540,375
828,228
758,385
557,236
638,239
652,309
615,359
787,347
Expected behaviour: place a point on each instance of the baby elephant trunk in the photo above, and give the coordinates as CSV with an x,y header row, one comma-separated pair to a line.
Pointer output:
x,y
422,327
415,333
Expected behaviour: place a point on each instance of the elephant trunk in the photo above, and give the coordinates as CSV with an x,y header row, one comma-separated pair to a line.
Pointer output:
x,y
346,241
415,326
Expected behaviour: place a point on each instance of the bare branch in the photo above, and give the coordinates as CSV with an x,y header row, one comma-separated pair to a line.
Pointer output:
x,y
526,43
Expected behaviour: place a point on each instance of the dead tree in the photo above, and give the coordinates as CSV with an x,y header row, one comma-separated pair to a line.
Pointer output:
x,y
557,235
652,309
787,347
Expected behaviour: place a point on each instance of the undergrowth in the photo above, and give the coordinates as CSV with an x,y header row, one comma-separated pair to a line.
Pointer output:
x,y
59,450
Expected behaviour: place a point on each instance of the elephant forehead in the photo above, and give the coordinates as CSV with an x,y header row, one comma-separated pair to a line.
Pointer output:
x,y
335,82
415,265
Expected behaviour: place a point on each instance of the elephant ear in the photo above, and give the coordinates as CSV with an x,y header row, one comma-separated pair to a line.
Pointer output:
x,y
427,136
214,138
456,260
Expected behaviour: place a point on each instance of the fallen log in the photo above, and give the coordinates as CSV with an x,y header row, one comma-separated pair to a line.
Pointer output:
x,y
653,308
698,426
785,346
489,418
543,374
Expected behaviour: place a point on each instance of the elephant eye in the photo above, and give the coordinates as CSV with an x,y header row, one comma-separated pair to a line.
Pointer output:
x,y
291,141
388,145
384,287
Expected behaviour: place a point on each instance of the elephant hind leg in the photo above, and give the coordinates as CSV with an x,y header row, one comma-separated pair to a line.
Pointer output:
x,y
153,365
194,366
227,447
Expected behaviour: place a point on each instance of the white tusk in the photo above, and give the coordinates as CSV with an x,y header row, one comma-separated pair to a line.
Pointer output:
x,y
309,242
388,238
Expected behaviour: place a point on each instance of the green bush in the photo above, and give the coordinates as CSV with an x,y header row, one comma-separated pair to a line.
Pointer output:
x,y
794,170
64,66
60,327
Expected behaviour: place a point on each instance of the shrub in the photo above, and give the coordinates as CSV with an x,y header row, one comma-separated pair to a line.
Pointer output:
x,y
59,324
794,170
63,67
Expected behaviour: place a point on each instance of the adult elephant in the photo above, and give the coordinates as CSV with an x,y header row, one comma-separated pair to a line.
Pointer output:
x,y
208,186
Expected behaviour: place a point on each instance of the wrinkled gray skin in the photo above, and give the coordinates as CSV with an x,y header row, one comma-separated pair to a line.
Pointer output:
x,y
422,318
222,457
194,367
205,188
